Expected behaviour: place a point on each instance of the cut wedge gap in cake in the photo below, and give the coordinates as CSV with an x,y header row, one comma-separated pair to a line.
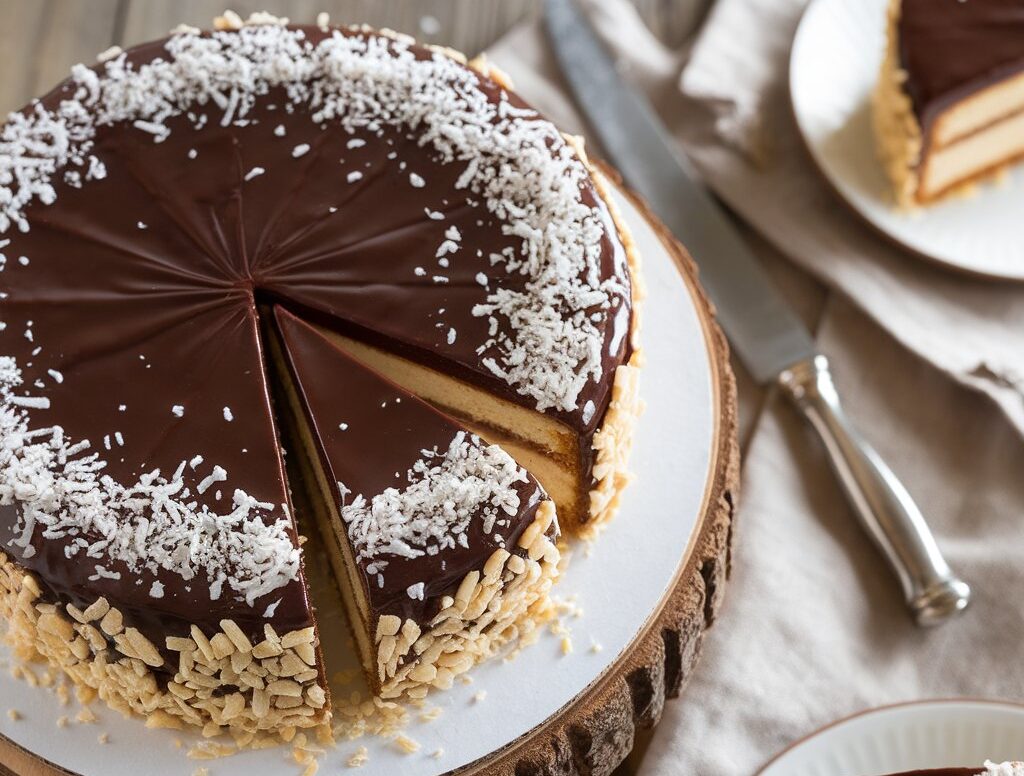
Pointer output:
x,y
443,546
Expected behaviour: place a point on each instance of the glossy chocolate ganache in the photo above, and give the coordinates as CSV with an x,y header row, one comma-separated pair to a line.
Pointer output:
x,y
951,48
152,205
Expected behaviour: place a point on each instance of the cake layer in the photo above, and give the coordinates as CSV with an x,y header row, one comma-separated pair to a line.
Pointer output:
x,y
976,155
416,505
950,49
978,111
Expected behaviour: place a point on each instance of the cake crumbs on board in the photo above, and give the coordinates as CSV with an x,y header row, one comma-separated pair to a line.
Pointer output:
x,y
359,758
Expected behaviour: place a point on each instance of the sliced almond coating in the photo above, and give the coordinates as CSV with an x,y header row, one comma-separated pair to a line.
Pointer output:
x,y
238,638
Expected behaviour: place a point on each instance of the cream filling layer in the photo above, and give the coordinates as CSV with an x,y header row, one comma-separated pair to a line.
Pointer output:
x,y
977,154
977,111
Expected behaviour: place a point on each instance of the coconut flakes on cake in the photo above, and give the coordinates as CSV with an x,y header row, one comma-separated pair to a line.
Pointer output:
x,y
447,491
152,525
518,164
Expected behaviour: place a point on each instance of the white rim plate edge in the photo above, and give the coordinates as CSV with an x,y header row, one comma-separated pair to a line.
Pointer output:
x,y
907,736
673,455
834,64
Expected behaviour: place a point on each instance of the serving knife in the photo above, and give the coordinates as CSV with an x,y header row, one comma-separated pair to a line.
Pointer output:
x,y
767,336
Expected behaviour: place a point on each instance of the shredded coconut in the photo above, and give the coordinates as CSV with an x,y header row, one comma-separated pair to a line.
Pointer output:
x,y
446,492
1004,769
151,525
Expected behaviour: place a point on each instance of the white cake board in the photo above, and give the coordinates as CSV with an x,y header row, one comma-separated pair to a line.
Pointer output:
x,y
620,585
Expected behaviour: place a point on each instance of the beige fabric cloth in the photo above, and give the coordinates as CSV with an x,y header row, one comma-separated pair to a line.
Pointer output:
x,y
928,363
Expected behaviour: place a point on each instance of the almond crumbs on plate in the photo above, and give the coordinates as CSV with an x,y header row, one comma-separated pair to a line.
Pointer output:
x,y
359,758
406,744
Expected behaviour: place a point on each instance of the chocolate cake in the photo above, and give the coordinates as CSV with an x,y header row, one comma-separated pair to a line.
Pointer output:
x,y
949,106
154,210
435,529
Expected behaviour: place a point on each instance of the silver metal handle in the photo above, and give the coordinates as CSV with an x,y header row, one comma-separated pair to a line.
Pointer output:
x,y
888,513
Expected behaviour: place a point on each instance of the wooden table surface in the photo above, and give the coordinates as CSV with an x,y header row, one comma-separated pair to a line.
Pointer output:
x,y
41,39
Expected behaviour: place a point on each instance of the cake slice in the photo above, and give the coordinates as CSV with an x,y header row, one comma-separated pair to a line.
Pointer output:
x,y
949,105
442,544
158,566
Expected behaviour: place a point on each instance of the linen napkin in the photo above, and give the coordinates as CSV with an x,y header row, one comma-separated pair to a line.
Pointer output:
x,y
929,365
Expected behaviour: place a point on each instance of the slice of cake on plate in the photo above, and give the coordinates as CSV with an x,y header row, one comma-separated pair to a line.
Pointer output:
x,y
444,544
949,104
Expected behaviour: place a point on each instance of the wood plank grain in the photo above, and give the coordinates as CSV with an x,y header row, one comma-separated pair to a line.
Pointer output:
x,y
40,41
469,26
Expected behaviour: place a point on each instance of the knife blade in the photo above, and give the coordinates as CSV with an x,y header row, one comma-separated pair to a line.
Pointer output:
x,y
766,334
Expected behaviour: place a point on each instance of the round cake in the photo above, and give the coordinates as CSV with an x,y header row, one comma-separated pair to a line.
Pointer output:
x,y
226,246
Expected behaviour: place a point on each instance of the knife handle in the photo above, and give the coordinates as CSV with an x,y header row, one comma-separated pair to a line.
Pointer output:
x,y
885,509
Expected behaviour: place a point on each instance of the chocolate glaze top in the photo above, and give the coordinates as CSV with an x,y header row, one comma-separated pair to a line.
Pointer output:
x,y
368,443
133,270
951,48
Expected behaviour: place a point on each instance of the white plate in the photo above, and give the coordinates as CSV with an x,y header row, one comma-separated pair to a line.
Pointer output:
x,y
619,585
834,65
892,739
